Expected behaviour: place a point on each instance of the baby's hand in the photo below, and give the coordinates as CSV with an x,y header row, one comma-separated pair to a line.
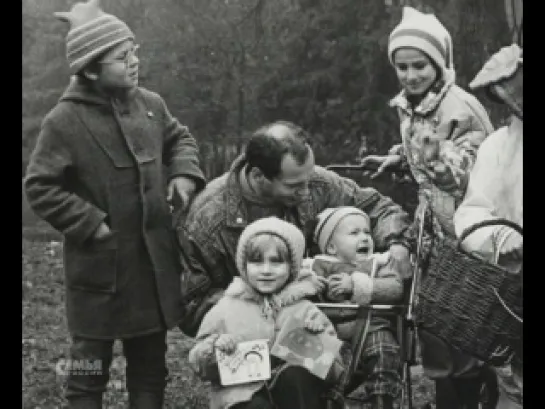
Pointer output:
x,y
340,284
314,321
226,343
320,283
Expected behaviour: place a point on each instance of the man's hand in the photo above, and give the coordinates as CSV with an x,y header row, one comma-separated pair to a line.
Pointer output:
x,y
400,259
314,321
382,258
340,284
383,162
180,191
102,232
226,343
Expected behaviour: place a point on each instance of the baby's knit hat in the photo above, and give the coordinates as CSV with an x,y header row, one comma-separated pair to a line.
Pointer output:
x,y
329,219
290,234
92,32
425,33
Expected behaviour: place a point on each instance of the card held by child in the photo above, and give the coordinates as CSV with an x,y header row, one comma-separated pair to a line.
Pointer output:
x,y
297,346
249,363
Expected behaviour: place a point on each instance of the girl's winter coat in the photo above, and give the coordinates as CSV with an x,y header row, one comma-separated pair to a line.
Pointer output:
x,y
447,127
97,161
248,316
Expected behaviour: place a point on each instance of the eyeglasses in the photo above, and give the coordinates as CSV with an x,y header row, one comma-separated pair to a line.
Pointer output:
x,y
124,58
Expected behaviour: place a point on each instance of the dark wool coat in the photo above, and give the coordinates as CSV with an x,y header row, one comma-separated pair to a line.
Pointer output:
x,y
100,161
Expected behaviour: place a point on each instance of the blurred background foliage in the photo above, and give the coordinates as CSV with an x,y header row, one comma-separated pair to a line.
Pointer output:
x,y
226,67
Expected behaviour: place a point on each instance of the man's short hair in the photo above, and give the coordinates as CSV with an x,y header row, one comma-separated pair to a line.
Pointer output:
x,y
270,143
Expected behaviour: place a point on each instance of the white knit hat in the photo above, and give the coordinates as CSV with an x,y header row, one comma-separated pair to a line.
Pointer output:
x,y
289,233
92,32
425,33
329,219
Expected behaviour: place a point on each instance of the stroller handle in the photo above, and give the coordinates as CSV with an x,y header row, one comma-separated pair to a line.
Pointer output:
x,y
376,307
368,167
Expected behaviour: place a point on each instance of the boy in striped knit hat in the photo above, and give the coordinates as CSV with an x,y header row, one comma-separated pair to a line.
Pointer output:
x,y
357,275
96,175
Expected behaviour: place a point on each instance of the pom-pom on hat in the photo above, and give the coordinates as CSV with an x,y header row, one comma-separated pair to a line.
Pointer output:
x,y
92,32
425,33
289,233
329,219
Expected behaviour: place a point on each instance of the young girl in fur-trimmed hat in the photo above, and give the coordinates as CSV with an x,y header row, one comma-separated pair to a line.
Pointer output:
x,y
256,305
355,274
442,127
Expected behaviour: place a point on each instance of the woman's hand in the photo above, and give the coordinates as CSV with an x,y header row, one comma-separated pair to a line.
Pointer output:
x,y
383,163
512,246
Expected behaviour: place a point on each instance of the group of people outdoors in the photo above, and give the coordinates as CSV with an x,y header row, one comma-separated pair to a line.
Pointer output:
x,y
110,159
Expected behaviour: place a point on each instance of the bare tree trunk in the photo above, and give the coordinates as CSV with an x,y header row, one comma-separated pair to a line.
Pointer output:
x,y
241,96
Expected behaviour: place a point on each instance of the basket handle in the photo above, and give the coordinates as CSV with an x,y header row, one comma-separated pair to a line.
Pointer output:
x,y
485,223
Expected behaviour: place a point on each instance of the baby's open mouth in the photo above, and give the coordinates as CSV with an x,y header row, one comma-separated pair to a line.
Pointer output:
x,y
363,249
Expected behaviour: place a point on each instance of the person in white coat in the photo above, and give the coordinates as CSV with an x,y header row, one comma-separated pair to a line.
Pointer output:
x,y
495,191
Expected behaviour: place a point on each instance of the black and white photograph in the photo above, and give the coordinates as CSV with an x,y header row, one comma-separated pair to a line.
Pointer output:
x,y
337,183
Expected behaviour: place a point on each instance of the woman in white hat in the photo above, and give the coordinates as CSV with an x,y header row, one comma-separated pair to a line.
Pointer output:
x,y
495,191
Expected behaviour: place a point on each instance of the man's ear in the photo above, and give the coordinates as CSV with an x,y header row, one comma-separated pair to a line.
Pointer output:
x,y
257,175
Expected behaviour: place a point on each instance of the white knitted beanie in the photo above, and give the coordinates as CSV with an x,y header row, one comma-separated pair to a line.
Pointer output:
x,y
425,33
329,219
289,233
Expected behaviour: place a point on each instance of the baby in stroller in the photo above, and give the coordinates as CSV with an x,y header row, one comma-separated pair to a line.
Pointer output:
x,y
355,274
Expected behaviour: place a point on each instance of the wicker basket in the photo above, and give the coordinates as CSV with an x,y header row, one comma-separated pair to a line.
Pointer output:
x,y
474,305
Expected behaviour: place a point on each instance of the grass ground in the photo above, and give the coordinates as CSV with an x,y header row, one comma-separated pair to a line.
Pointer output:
x,y
45,339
